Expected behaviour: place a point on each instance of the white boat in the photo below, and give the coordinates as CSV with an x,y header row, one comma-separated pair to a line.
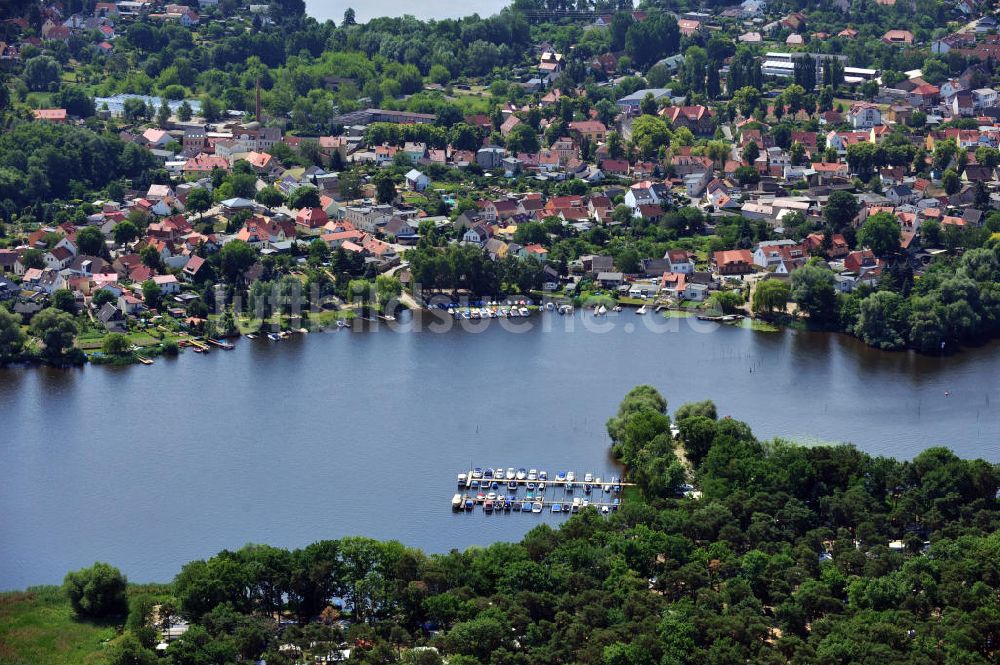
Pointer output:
x,y
588,477
641,310
274,337
521,474
541,487
510,473
536,507
475,314
251,336
456,502
543,475
341,323
523,311
533,474
602,310
576,504
462,479
570,476
549,306
605,510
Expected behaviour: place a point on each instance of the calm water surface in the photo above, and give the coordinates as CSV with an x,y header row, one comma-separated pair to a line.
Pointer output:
x,y
328,435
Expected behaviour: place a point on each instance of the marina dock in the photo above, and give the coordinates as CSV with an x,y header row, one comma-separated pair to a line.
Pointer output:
x,y
509,490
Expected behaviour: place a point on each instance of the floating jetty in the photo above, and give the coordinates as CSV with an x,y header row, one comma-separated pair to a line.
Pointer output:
x,y
726,318
533,491
228,346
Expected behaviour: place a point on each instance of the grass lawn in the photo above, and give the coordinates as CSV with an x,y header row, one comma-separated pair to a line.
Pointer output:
x,y
94,340
38,626
758,325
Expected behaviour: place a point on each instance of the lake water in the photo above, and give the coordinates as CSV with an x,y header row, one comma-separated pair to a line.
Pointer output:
x,y
363,432
323,10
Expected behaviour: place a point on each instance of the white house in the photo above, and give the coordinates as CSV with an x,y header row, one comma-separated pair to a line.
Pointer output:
x,y
680,261
984,98
769,253
58,258
168,284
478,234
417,181
646,193
865,116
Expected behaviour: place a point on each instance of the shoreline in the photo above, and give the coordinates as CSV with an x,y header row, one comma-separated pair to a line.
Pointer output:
x,y
412,320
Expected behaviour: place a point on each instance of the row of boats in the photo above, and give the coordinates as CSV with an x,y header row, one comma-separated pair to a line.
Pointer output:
x,y
534,480
490,312
492,503
285,334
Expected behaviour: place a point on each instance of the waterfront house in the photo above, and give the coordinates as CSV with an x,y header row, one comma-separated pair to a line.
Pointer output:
x,y
733,262
610,280
680,261
111,317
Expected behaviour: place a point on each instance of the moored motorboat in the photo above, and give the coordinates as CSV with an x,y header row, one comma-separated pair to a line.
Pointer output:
x,y
536,507
456,502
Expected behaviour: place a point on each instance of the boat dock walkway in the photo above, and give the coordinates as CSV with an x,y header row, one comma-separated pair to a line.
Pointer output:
x,y
472,482
498,490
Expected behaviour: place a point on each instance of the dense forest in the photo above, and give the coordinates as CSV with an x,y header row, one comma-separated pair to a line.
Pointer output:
x,y
796,554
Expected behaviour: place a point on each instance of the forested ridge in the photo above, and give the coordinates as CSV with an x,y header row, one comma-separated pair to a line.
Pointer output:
x,y
795,554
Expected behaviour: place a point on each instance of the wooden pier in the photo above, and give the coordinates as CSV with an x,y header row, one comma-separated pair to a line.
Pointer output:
x,y
197,345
